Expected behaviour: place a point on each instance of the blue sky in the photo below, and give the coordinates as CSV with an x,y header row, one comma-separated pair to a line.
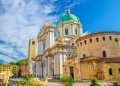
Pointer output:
x,y
22,19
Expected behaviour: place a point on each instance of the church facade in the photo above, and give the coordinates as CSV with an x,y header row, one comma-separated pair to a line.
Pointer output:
x,y
68,52
52,53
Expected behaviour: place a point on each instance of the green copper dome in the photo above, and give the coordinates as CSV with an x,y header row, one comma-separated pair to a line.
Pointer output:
x,y
67,17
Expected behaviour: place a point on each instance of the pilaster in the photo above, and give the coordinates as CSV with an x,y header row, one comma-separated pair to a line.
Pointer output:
x,y
55,64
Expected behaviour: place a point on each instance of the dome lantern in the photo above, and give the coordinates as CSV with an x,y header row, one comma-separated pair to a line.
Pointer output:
x,y
68,10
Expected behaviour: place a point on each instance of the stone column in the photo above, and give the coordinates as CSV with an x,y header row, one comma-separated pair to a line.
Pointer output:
x,y
40,68
46,66
64,58
51,37
81,31
47,41
61,31
55,65
37,68
49,72
60,64
40,47
71,27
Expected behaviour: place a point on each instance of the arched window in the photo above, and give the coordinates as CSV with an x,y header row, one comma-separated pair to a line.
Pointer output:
x,y
33,42
119,70
69,55
110,37
58,34
84,56
76,31
66,31
72,44
90,40
116,40
81,43
85,42
97,39
110,71
103,38
104,54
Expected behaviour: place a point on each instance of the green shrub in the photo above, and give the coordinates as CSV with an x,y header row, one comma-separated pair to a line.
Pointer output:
x,y
25,83
67,81
94,82
27,77
3,84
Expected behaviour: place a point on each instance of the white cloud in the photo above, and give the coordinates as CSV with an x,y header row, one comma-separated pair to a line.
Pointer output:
x,y
6,48
21,20
6,58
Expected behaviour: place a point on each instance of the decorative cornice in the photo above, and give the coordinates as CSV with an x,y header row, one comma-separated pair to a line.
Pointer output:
x,y
49,50
68,22
44,30
97,34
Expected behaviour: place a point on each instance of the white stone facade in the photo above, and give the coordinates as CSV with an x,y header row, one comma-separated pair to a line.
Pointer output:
x,y
66,39
52,53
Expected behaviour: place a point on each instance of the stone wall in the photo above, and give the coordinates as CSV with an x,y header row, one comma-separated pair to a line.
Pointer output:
x,y
32,49
115,71
92,68
95,44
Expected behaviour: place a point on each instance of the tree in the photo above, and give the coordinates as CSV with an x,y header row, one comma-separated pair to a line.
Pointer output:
x,y
20,62
13,63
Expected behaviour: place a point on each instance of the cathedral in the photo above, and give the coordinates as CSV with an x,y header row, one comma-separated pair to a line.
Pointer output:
x,y
65,50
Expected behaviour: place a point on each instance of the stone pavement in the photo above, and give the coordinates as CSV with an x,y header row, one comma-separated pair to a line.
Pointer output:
x,y
57,84
79,84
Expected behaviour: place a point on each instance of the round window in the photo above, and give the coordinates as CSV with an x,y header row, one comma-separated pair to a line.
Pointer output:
x,y
33,42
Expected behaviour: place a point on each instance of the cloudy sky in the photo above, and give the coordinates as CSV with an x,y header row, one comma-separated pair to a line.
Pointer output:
x,y
22,19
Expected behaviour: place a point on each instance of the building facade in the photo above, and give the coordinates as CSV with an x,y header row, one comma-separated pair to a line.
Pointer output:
x,y
98,56
15,70
6,67
31,57
24,70
65,50
53,49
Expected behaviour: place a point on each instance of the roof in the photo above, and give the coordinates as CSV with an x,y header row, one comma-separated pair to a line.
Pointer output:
x,y
68,17
89,58
106,60
97,34
112,60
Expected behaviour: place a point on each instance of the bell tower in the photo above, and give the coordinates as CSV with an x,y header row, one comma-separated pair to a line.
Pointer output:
x,y
32,49
32,56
